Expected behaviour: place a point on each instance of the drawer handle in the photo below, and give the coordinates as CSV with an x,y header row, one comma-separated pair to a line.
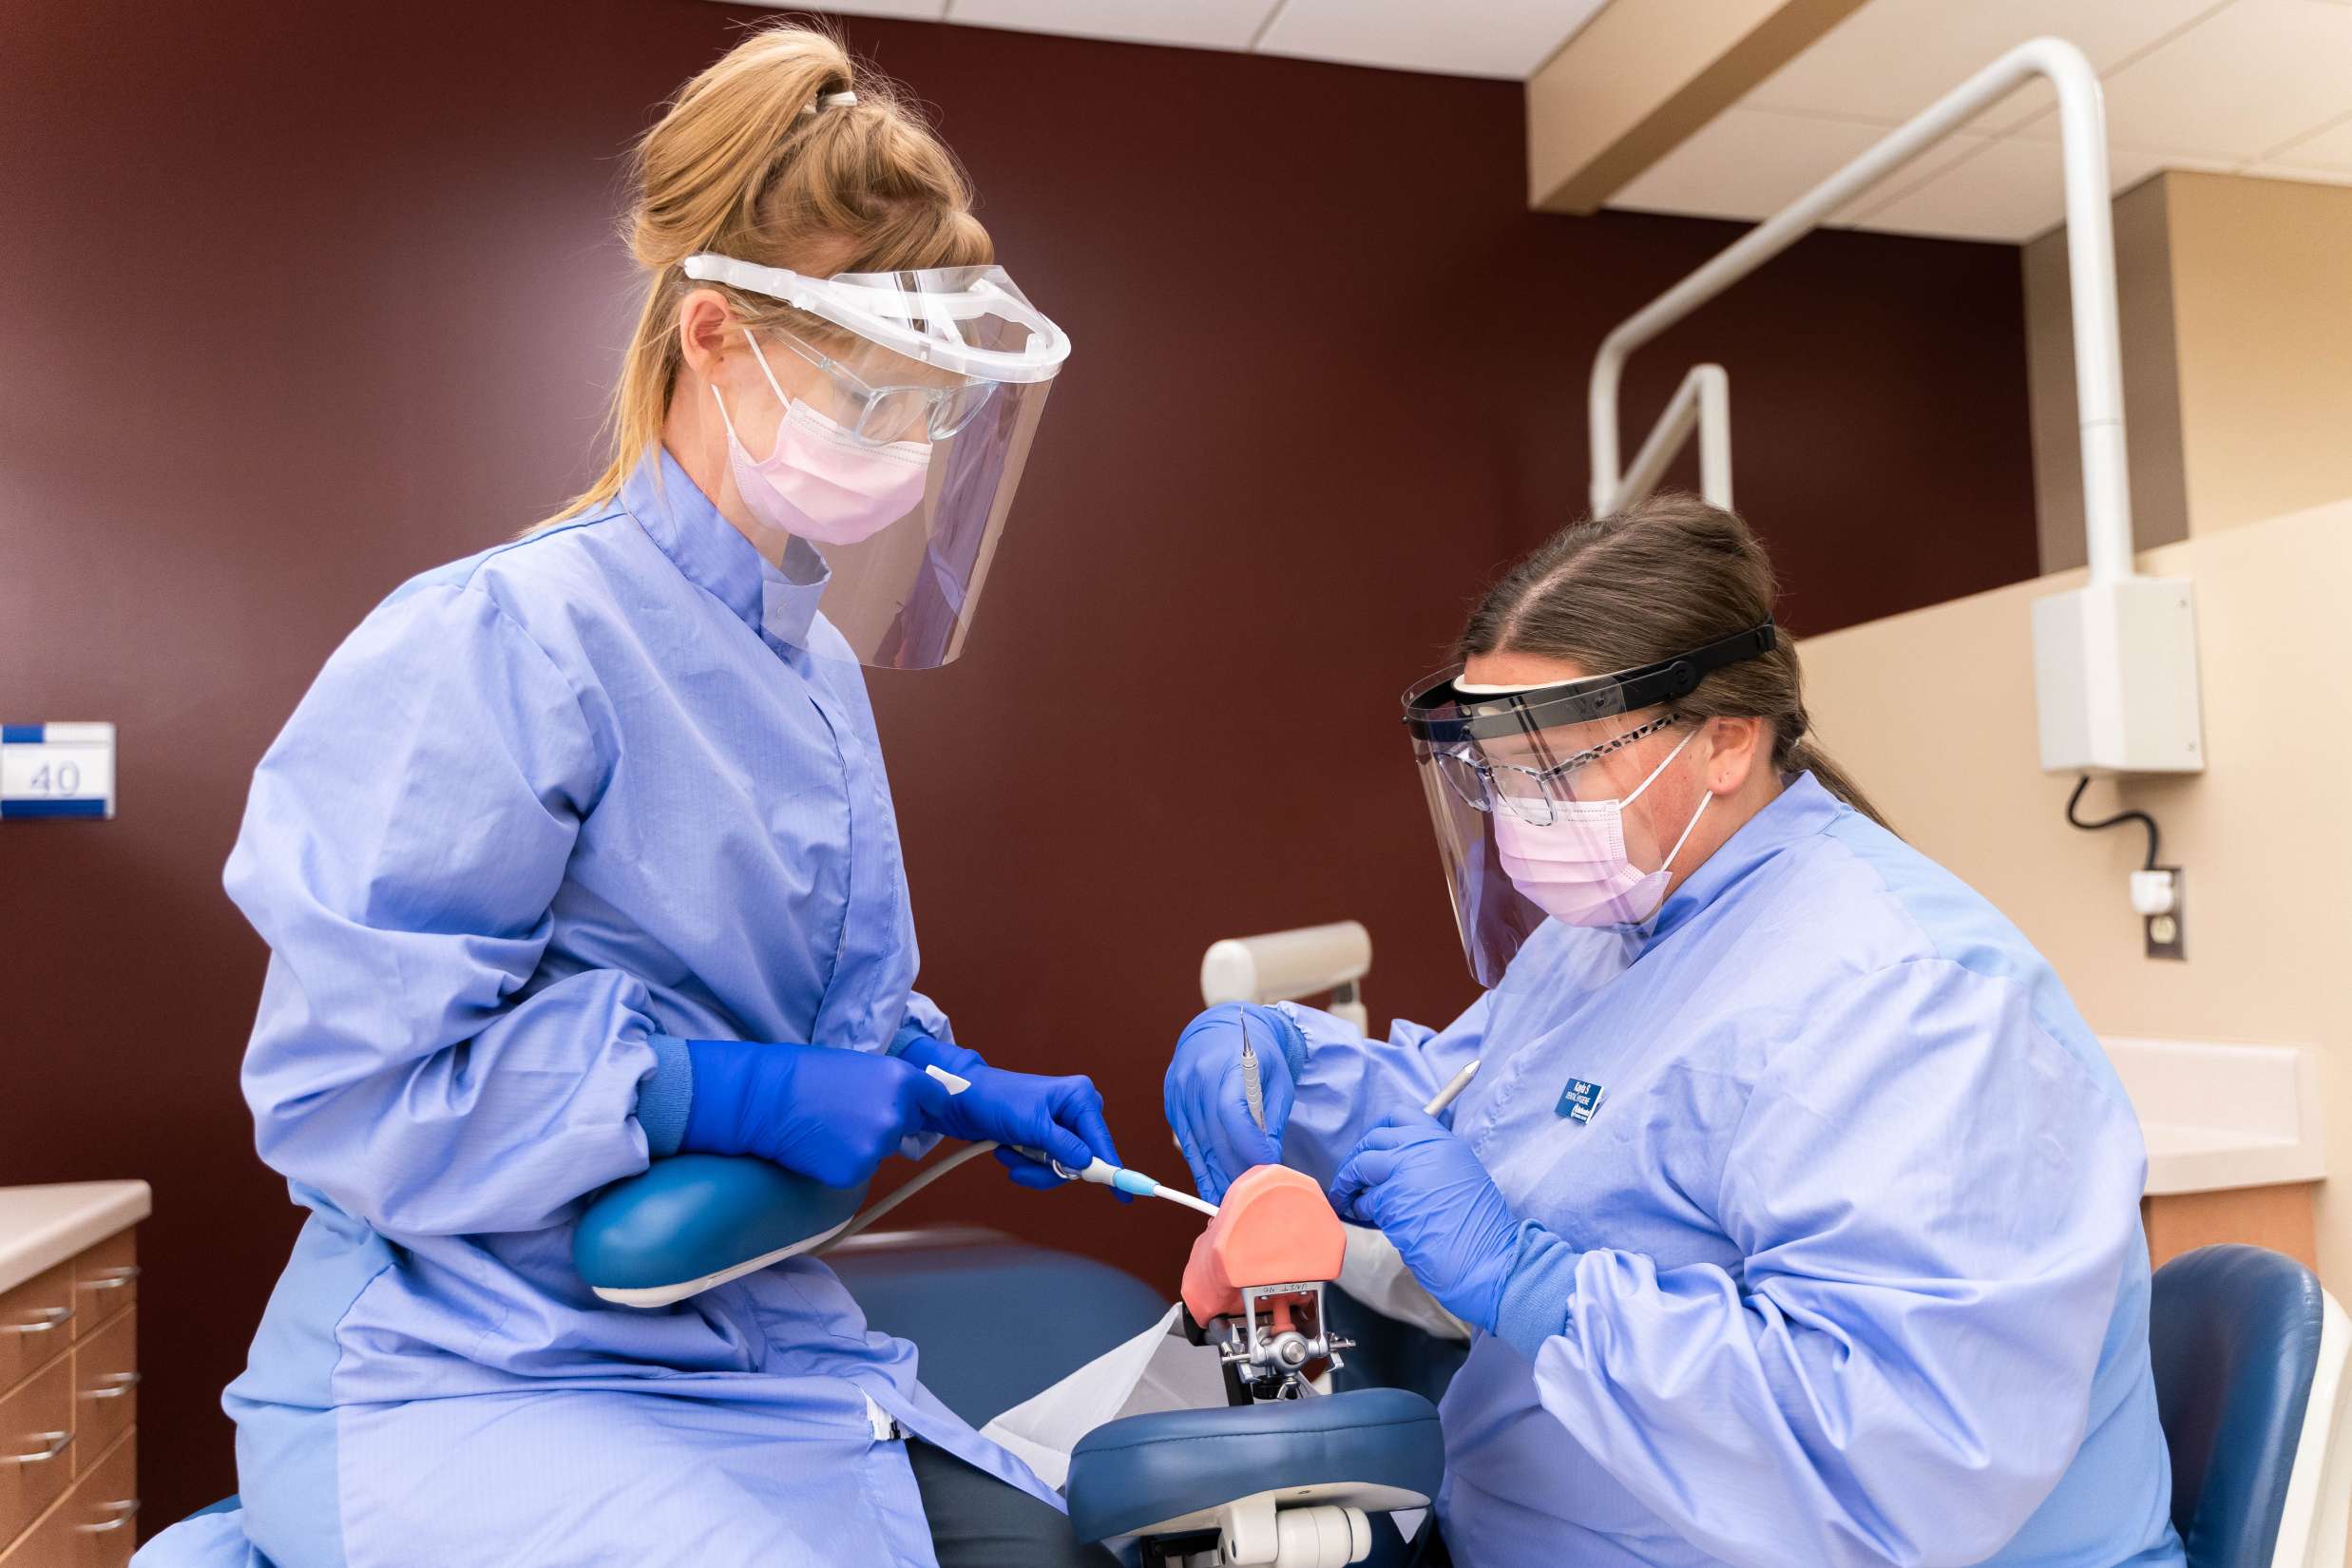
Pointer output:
x,y
123,1513
116,1386
51,1317
111,1279
54,1444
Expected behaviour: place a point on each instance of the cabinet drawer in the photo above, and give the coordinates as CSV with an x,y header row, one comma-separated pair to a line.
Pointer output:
x,y
106,1388
97,1523
36,1455
37,1322
106,1280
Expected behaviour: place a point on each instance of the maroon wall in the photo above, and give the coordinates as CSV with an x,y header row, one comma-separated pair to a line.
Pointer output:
x,y
296,300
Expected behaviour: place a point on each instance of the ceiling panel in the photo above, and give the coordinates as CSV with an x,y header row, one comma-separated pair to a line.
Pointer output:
x,y
2252,77
2006,190
2259,87
922,10
1893,58
1748,163
2330,147
1505,38
1202,24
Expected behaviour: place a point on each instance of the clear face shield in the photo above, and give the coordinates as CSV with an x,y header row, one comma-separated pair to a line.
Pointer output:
x,y
1500,769
894,471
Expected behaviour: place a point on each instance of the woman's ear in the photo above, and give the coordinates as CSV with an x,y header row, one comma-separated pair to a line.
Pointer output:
x,y
1740,743
703,322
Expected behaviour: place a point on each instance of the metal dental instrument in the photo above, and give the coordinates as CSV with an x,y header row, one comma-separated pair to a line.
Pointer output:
x,y
1101,1172
1252,1093
1452,1091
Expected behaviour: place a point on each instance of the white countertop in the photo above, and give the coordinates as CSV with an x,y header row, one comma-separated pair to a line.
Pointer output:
x,y
41,1227
2222,1116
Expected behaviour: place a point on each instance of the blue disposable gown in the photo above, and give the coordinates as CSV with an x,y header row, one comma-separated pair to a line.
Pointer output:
x,y
543,804
1848,1267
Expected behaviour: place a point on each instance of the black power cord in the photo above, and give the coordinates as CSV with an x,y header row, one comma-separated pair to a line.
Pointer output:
x,y
2117,821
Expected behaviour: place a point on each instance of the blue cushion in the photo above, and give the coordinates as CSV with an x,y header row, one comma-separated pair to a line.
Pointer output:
x,y
693,1215
2233,1334
996,1320
1128,1474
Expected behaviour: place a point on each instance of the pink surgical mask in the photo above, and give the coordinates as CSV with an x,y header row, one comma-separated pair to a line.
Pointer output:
x,y
1575,867
821,483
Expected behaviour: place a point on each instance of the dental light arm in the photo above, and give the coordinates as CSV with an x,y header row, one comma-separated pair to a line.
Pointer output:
x,y
2115,662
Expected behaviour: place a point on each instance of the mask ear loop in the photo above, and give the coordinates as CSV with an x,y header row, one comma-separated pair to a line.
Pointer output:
x,y
1663,763
1706,798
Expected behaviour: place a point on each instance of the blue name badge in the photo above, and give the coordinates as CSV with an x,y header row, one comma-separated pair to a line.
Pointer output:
x,y
1579,1100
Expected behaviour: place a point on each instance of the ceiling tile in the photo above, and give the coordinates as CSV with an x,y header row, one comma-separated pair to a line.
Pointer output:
x,y
2009,190
2250,78
1200,24
2330,149
1506,38
1748,163
923,10
1892,58
2290,171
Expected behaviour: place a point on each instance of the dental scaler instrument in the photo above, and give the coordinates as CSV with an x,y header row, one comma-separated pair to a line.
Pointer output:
x,y
1098,1171
1252,1092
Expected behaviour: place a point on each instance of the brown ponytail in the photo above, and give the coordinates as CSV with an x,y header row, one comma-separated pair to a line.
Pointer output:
x,y
1660,578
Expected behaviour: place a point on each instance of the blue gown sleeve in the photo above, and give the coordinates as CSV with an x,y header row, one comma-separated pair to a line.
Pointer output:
x,y
404,840
1344,1083
1937,1202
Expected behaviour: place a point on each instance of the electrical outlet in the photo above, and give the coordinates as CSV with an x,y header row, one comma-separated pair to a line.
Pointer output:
x,y
2165,933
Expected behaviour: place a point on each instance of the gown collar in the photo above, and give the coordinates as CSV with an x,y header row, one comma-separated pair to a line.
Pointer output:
x,y
712,554
1801,809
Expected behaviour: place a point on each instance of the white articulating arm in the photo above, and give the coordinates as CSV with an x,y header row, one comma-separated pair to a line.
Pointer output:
x,y
2091,263
1703,399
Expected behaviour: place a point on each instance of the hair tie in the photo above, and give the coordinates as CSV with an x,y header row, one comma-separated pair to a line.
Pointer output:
x,y
831,100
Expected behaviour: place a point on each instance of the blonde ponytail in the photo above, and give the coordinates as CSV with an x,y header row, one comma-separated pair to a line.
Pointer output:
x,y
763,157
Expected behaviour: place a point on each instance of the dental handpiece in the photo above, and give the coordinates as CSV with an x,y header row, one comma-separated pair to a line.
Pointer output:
x,y
1101,1172
1452,1091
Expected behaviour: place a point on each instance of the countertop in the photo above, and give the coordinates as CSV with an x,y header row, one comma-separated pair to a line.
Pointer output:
x,y
2222,1116
41,1227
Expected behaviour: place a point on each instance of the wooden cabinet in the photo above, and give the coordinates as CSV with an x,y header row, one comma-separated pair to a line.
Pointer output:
x,y
69,1411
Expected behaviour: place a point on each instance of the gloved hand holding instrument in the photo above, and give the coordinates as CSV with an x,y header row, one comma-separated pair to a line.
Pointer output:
x,y
820,1121
1229,1092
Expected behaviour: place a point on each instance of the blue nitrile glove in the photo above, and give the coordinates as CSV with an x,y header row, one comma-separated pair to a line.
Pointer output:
x,y
833,1114
1060,1115
1419,1185
1203,1095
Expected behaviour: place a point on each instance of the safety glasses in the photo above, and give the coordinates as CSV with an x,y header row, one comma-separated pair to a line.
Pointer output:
x,y
1531,794
882,416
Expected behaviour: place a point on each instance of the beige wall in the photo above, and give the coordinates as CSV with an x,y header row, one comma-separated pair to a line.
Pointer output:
x,y
2261,300
2237,357
1934,712
2152,407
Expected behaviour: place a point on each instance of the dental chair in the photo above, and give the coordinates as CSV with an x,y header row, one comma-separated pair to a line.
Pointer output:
x,y
1286,1474
2249,1357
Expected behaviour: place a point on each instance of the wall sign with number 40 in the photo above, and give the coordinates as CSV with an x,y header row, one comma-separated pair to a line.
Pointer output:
x,y
56,771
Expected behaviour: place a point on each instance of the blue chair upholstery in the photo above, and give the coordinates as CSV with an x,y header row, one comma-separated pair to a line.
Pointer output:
x,y
693,1215
2233,1333
995,1320
1147,1469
